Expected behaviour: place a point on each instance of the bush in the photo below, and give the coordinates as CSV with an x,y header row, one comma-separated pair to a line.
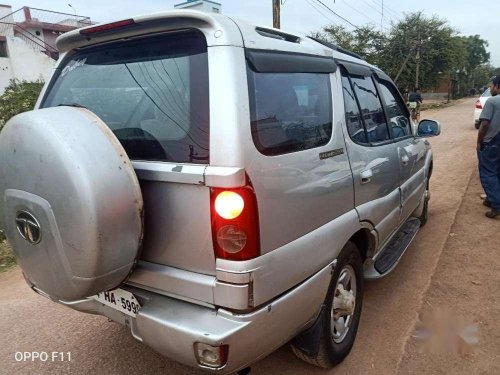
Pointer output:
x,y
7,259
19,96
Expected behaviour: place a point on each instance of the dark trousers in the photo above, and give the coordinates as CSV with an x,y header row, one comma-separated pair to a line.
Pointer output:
x,y
489,170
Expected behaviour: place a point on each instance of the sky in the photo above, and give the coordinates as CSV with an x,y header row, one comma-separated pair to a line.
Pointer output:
x,y
467,17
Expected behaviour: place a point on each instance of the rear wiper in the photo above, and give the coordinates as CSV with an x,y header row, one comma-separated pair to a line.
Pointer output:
x,y
72,105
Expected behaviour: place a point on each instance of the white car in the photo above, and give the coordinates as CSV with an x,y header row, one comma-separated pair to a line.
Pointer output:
x,y
480,105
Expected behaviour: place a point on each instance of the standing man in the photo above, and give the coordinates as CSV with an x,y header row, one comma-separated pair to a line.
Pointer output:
x,y
488,147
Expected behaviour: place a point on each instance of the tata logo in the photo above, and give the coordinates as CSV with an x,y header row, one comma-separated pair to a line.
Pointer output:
x,y
28,227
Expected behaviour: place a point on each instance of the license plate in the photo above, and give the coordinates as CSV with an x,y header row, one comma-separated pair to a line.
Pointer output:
x,y
120,300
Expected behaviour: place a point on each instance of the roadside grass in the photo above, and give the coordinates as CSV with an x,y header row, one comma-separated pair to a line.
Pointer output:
x,y
7,260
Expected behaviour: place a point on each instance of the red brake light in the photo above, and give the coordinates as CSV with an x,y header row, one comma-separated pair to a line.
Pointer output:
x,y
479,105
235,223
106,27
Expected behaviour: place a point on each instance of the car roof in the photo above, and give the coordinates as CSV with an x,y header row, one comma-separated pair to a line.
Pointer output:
x,y
218,29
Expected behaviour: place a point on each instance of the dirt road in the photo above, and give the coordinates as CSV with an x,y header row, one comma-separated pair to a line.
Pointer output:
x,y
454,262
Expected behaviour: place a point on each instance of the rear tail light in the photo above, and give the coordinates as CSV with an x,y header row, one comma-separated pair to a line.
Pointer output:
x,y
479,105
229,205
235,223
106,27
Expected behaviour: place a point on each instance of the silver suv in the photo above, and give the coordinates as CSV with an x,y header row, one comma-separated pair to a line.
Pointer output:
x,y
217,187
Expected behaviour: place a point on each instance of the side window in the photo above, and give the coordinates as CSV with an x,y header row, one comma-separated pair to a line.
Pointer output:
x,y
352,115
398,118
289,111
371,109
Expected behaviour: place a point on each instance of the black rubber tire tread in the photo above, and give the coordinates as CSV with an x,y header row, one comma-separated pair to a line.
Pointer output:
x,y
425,213
331,354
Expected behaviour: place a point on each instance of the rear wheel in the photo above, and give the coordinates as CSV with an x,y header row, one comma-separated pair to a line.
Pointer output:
x,y
342,311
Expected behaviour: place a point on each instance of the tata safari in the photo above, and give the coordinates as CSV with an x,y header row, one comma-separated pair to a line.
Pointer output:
x,y
219,188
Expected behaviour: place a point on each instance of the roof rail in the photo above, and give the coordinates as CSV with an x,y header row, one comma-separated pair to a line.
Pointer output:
x,y
275,34
335,47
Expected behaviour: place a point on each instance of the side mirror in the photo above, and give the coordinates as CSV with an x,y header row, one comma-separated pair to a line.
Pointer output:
x,y
428,128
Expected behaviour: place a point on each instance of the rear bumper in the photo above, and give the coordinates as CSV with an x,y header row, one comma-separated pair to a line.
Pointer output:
x,y
172,327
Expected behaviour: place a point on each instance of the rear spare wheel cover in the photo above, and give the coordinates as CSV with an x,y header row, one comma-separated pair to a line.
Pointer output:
x,y
70,202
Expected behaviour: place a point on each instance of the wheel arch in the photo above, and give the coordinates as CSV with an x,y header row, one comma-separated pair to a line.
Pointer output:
x,y
430,169
365,240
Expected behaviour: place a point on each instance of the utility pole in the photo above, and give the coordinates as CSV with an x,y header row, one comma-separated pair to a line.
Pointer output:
x,y
382,18
276,14
417,58
403,66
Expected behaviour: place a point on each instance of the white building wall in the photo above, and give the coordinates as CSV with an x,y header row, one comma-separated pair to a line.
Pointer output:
x,y
27,63
6,28
201,5
37,36
5,73
23,63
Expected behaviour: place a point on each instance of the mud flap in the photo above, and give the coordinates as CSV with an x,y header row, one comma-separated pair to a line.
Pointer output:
x,y
308,341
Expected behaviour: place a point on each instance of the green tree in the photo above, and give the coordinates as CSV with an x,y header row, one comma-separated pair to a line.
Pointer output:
x,y
19,96
476,52
476,70
443,50
366,41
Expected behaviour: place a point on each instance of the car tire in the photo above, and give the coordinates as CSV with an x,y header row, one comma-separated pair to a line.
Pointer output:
x,y
334,347
425,212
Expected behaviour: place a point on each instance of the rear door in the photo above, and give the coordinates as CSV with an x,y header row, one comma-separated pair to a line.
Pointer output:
x,y
153,94
411,151
372,154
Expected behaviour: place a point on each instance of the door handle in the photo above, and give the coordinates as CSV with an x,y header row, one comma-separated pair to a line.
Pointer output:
x,y
366,176
405,160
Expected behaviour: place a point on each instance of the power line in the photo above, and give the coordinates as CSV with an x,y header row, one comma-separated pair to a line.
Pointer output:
x,y
317,9
357,11
382,11
387,8
336,14
371,6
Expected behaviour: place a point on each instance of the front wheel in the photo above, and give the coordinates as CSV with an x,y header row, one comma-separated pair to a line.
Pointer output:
x,y
341,313
425,212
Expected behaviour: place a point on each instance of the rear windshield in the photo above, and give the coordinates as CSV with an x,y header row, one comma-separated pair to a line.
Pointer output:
x,y
152,93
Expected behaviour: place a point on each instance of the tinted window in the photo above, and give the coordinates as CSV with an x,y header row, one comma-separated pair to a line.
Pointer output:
x,y
398,120
487,93
153,94
352,115
289,111
371,109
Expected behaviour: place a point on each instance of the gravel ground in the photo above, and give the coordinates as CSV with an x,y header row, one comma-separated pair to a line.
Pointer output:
x,y
453,262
